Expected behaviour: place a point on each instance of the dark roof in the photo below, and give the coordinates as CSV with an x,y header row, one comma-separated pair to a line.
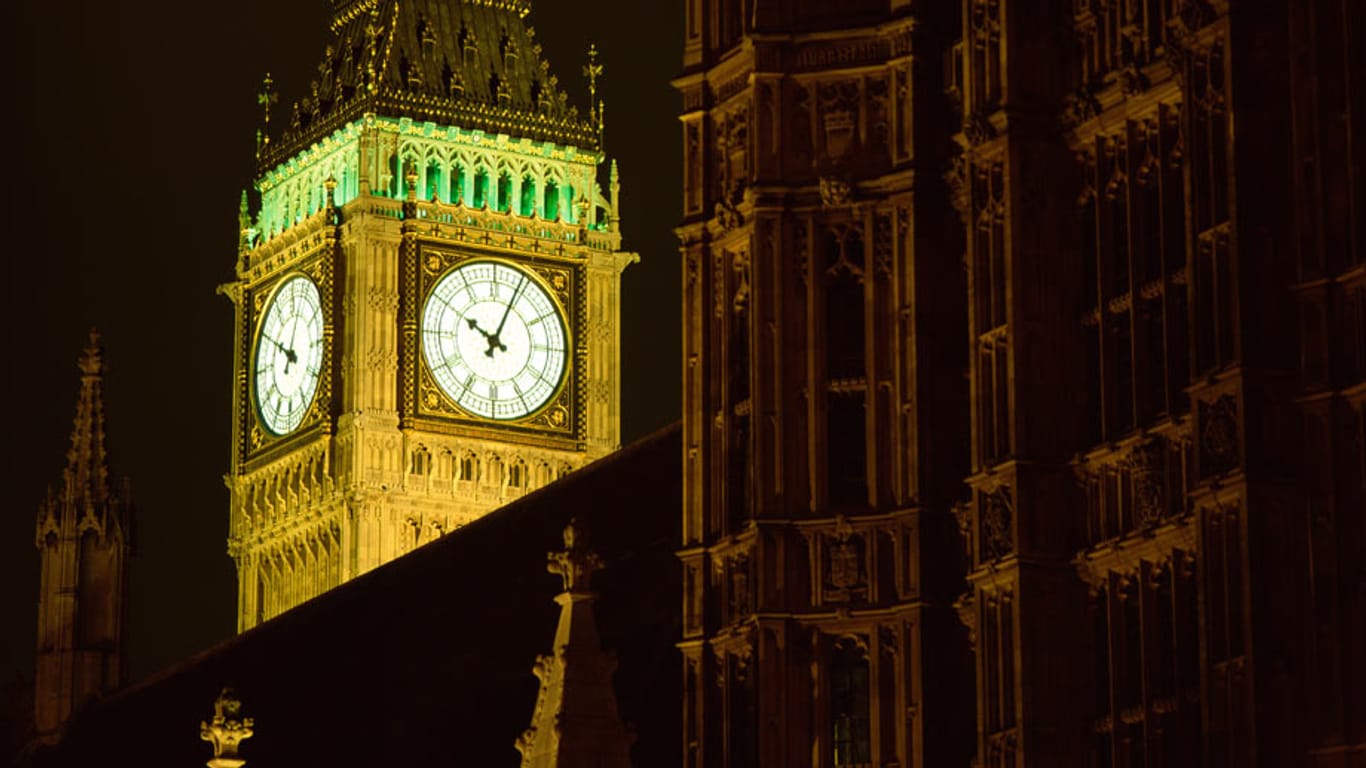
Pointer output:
x,y
468,63
427,660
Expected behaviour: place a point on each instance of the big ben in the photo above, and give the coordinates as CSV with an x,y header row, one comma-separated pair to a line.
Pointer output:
x,y
427,301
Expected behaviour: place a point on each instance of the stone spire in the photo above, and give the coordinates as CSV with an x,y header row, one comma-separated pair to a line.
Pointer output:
x,y
83,537
575,723
87,468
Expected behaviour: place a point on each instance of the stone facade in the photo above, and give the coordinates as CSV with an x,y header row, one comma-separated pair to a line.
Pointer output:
x,y
1106,409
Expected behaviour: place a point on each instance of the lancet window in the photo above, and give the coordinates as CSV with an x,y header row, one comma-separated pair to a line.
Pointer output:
x,y
517,474
551,207
735,268
984,42
526,205
850,731
1115,35
1145,486
431,180
504,202
1131,214
421,462
458,183
1145,656
480,196
469,467
846,382
996,645
742,711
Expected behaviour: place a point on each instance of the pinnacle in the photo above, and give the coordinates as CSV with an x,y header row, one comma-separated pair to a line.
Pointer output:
x,y
92,362
87,469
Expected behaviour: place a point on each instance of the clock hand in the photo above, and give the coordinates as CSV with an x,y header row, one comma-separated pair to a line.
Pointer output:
x,y
290,357
491,338
508,311
494,340
474,325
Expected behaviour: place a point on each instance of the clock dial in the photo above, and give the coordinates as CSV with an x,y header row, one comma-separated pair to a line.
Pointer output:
x,y
289,355
494,340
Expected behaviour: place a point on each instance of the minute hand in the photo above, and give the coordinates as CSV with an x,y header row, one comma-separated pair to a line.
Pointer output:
x,y
508,310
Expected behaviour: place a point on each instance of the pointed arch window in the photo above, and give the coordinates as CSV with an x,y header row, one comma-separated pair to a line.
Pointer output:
x,y
395,182
432,187
550,208
422,461
517,474
457,183
469,467
849,694
743,712
481,188
504,201
527,204
90,619
844,304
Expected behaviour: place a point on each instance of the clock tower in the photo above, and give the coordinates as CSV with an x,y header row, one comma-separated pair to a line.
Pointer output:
x,y
427,301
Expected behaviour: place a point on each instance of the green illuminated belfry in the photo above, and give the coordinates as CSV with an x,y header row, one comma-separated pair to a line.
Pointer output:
x,y
470,73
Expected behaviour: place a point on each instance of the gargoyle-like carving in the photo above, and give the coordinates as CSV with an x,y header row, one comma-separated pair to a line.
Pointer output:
x,y
226,730
1218,436
835,192
996,513
576,564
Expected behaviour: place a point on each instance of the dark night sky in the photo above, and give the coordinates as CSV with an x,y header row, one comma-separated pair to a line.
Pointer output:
x,y
136,126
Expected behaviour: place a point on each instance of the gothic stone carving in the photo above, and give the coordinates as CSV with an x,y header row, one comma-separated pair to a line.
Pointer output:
x,y
844,567
996,513
835,192
1218,436
1149,481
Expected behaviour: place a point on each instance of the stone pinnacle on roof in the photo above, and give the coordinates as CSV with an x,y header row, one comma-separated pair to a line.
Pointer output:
x,y
575,723
85,498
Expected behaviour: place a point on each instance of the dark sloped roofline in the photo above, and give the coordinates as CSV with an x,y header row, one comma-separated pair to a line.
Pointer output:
x,y
564,486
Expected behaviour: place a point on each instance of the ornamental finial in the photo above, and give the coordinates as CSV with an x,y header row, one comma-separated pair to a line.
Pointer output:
x,y
265,98
246,234
226,730
593,70
576,563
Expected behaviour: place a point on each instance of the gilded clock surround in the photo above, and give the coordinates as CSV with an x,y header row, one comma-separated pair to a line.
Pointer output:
x,y
257,374
559,419
261,443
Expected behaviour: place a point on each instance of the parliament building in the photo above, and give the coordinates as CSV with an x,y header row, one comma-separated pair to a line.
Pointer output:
x,y
1023,420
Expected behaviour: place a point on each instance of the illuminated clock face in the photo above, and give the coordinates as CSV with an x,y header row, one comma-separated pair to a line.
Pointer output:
x,y
494,340
289,355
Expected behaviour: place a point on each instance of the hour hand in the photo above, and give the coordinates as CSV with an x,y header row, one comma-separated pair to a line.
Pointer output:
x,y
290,357
491,338
474,325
